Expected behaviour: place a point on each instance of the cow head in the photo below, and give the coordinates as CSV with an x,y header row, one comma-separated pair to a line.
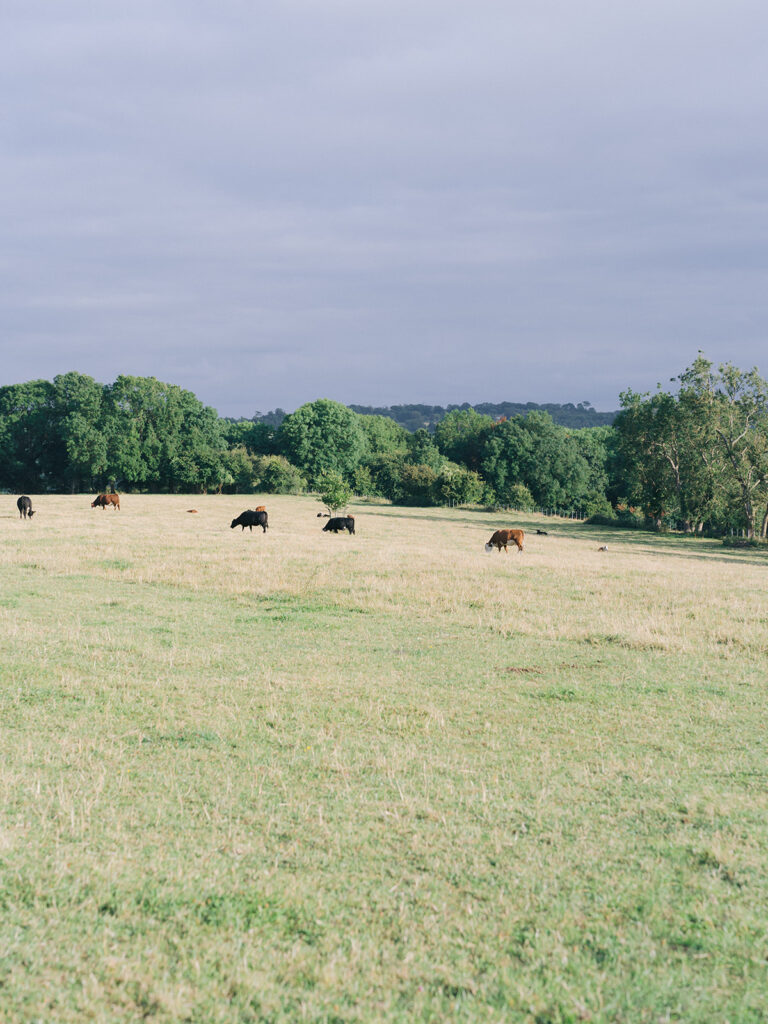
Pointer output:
x,y
489,547
95,503
30,513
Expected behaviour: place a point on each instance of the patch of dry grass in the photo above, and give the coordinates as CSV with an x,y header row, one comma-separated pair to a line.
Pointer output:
x,y
298,776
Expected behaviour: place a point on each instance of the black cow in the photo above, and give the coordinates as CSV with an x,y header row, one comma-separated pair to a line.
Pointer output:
x,y
251,518
336,523
24,505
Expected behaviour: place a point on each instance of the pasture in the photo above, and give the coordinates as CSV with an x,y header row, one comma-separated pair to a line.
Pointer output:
x,y
297,776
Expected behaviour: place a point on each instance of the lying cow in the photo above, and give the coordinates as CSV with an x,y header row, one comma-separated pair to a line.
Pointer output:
x,y
501,538
24,505
250,518
336,523
105,500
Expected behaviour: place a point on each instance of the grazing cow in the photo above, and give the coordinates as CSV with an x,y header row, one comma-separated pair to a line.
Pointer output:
x,y
24,505
250,518
106,499
336,523
501,538
603,548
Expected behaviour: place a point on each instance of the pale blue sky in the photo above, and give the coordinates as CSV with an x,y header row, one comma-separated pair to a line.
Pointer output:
x,y
383,202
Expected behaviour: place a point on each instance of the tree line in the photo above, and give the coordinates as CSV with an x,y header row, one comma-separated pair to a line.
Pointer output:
x,y
694,458
415,416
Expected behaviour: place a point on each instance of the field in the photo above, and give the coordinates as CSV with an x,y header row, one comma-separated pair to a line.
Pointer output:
x,y
386,777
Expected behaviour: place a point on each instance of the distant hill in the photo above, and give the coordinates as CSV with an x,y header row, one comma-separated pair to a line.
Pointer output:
x,y
413,417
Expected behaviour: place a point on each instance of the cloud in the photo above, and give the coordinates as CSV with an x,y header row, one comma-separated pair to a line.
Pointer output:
x,y
389,202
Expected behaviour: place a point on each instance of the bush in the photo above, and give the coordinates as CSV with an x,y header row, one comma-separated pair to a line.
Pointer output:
x,y
621,518
278,476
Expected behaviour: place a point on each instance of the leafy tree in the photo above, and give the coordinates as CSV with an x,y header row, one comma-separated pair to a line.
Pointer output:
x,y
416,485
737,404
30,451
162,437
504,458
422,451
259,438
386,472
461,435
321,436
456,485
383,435
276,475
335,492
363,483
242,470
77,421
520,498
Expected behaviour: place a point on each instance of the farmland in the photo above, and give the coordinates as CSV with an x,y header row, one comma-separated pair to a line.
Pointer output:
x,y
302,777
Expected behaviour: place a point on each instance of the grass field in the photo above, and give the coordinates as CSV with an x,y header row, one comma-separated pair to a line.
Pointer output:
x,y
385,777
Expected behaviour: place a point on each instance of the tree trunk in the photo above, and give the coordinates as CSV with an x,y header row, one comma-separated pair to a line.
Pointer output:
x,y
764,527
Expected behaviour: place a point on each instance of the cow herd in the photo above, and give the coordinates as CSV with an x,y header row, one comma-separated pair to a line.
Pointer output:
x,y
258,517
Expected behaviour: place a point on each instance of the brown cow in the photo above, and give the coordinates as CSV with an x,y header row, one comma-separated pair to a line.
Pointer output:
x,y
107,499
260,508
501,538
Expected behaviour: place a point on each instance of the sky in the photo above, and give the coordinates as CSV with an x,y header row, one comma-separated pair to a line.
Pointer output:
x,y
383,202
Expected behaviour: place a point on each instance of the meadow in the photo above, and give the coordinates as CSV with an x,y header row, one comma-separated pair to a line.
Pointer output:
x,y
386,777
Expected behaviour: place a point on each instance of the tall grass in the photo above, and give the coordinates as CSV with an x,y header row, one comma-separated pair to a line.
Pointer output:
x,y
302,777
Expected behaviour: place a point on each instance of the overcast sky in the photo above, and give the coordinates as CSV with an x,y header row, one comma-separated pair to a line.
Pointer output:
x,y
381,201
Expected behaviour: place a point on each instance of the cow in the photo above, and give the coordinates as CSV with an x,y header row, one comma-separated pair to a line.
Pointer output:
x,y
501,538
336,523
24,505
542,533
104,500
250,518
260,508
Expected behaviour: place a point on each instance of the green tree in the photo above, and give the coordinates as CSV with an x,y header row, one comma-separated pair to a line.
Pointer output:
x,y
276,475
77,420
461,436
30,447
383,435
162,437
737,405
416,485
456,485
243,469
335,492
321,436
422,451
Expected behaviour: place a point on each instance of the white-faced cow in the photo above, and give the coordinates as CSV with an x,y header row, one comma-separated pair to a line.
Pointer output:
x,y
501,538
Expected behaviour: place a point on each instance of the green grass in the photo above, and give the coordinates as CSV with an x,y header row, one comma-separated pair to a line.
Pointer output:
x,y
301,777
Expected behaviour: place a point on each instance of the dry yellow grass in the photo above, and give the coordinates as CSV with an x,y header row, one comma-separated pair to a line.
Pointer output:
x,y
299,776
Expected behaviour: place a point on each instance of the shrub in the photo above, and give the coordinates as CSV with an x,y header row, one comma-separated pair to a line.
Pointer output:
x,y
278,476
